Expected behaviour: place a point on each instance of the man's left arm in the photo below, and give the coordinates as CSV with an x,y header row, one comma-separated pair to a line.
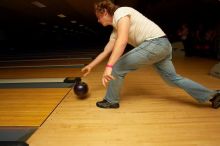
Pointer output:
x,y
119,47
121,41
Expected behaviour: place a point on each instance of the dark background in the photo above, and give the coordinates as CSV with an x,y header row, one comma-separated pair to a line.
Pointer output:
x,y
25,27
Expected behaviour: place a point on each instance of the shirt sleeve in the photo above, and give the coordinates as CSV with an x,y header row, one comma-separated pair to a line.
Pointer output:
x,y
119,13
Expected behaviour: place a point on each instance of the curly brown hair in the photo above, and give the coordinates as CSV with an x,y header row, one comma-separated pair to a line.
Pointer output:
x,y
107,5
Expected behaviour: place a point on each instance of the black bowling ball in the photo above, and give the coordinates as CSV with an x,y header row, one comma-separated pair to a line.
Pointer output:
x,y
81,90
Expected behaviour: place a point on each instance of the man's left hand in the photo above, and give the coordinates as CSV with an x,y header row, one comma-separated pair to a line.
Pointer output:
x,y
107,76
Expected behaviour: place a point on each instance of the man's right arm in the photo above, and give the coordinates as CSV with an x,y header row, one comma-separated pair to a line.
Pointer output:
x,y
106,52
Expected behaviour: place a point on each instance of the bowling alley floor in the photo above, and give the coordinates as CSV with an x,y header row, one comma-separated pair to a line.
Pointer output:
x,y
151,112
25,106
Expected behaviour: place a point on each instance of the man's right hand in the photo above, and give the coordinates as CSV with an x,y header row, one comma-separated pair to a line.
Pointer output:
x,y
86,70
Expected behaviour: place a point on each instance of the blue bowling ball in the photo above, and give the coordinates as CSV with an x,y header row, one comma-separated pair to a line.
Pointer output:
x,y
81,90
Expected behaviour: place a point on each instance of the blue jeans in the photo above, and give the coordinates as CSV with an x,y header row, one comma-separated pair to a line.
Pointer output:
x,y
156,52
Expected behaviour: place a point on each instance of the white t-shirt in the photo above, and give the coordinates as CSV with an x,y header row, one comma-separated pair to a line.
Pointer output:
x,y
141,27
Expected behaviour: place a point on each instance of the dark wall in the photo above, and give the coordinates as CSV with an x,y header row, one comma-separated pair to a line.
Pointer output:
x,y
21,32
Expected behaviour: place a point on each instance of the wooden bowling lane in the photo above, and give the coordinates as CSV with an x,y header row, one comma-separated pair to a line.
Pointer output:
x,y
54,64
31,106
50,55
38,73
151,113
28,107
41,62
42,68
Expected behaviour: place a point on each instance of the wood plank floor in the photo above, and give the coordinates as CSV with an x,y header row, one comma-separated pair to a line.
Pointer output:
x,y
28,107
42,72
151,113
37,73
31,106
65,61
